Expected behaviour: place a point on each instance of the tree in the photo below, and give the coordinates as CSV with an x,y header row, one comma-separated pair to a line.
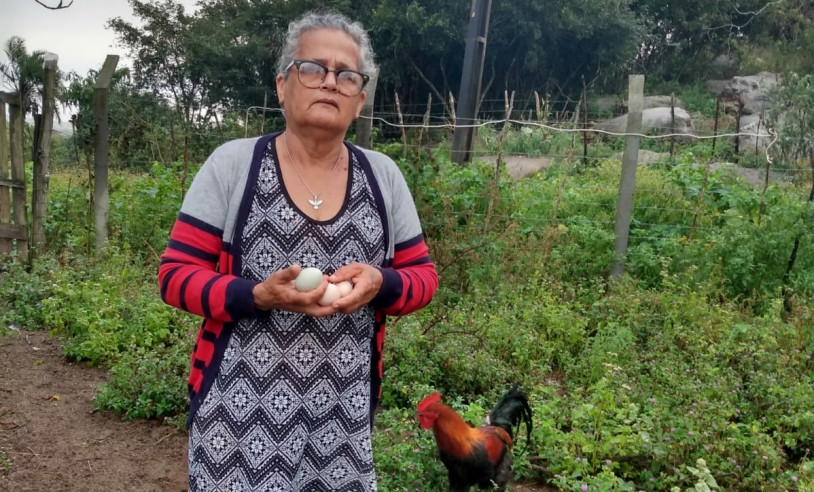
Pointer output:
x,y
233,48
58,7
532,45
782,35
138,121
683,37
23,74
159,49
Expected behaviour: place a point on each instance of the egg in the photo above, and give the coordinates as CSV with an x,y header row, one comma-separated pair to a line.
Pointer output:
x,y
308,279
331,294
345,288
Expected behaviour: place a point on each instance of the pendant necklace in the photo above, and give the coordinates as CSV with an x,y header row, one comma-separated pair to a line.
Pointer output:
x,y
315,202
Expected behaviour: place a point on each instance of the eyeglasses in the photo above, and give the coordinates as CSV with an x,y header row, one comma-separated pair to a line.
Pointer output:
x,y
312,74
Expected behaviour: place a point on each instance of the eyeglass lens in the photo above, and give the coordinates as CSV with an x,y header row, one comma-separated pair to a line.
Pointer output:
x,y
313,74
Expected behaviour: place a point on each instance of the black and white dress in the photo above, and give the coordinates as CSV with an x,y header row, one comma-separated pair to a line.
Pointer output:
x,y
289,409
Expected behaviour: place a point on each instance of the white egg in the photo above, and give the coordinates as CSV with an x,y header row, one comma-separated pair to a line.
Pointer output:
x,y
308,279
344,288
331,294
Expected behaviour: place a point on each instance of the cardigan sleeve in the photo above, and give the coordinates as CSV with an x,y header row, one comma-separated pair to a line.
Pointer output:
x,y
410,283
194,272
410,280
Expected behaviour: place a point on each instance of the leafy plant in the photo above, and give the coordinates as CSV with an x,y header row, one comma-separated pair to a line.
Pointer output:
x,y
149,382
5,461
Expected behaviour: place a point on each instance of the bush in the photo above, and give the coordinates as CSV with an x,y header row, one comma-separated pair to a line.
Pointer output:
x,y
149,382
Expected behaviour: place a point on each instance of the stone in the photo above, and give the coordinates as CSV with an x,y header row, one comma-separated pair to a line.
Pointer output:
x,y
654,121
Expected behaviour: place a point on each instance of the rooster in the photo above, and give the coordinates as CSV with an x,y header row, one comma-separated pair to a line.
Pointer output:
x,y
477,456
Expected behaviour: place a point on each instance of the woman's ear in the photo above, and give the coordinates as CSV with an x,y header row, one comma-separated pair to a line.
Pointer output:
x,y
280,89
362,97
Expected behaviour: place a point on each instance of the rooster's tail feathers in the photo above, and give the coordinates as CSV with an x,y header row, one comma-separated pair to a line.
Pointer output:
x,y
512,410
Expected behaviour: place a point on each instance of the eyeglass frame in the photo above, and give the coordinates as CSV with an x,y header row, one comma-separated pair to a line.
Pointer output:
x,y
297,62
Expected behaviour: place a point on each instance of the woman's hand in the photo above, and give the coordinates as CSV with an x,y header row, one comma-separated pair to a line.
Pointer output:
x,y
367,281
278,292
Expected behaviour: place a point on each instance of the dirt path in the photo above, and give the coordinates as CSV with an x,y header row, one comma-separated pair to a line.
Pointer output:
x,y
56,441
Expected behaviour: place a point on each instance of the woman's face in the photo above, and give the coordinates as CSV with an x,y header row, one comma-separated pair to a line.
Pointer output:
x,y
323,107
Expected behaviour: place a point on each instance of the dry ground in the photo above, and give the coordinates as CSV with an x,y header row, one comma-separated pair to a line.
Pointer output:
x,y
56,441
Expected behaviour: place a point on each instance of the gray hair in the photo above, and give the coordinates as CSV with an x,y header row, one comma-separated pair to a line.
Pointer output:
x,y
329,20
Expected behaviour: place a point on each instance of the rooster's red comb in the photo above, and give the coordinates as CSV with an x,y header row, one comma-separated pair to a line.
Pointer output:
x,y
429,400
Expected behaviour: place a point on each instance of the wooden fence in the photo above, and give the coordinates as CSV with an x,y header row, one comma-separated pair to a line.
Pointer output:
x,y
12,180
14,230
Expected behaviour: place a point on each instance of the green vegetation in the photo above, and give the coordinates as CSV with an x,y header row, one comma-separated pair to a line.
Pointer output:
x,y
701,352
5,462
692,372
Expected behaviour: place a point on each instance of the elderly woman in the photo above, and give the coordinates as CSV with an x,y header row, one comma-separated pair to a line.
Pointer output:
x,y
283,388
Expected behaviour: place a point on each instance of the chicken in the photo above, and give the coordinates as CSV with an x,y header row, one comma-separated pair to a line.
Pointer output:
x,y
477,456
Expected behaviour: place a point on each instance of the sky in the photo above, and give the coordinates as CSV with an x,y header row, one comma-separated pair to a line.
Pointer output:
x,y
77,35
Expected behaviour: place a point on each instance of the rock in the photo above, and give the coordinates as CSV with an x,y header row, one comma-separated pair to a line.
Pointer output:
x,y
606,104
654,120
753,125
645,156
615,104
750,91
519,166
723,66
715,86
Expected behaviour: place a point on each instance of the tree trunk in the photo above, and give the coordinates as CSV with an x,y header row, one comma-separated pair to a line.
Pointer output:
x,y
39,196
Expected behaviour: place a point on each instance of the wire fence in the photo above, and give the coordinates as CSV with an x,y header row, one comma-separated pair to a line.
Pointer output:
x,y
551,139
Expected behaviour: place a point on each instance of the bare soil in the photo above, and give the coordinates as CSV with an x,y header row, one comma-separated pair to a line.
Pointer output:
x,y
54,438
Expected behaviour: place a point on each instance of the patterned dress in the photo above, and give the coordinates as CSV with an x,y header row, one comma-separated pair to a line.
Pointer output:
x,y
290,407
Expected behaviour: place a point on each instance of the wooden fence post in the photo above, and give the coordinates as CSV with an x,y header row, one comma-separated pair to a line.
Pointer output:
x,y
364,123
5,196
630,161
42,153
18,175
101,151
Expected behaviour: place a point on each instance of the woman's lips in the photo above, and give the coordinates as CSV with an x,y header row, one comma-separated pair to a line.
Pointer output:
x,y
328,101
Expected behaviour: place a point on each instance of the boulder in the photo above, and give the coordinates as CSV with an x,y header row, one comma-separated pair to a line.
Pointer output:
x,y
606,104
615,104
645,156
654,121
716,86
519,167
756,133
751,92
723,66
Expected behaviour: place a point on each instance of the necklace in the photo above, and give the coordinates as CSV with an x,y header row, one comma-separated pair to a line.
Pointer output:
x,y
315,202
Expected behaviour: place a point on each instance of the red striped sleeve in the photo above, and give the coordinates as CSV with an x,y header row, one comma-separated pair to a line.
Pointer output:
x,y
188,278
411,282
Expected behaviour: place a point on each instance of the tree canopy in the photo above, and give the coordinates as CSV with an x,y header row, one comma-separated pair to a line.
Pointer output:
x,y
222,57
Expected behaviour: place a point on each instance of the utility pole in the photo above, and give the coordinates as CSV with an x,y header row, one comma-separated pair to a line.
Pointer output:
x,y
471,80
